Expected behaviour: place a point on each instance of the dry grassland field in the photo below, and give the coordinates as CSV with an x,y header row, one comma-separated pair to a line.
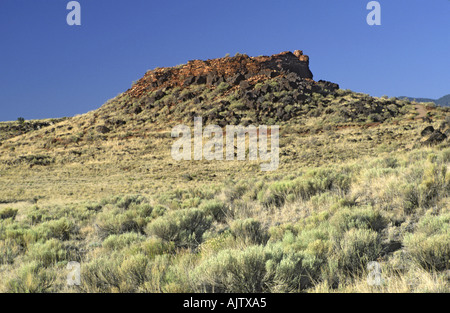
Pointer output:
x,y
359,199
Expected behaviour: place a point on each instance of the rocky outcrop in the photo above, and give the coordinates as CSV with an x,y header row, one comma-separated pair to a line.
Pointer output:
x,y
445,128
431,136
240,70
427,131
231,90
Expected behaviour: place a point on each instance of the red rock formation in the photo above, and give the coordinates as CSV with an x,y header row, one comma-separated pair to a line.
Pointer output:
x,y
233,70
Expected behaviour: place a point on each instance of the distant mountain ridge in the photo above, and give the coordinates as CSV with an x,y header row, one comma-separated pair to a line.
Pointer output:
x,y
443,101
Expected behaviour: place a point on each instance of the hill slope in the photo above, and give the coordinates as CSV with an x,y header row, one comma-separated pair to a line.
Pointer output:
x,y
233,90
359,180
443,101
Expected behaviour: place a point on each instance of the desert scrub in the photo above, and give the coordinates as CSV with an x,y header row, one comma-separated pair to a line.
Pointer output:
x,y
304,187
184,227
47,253
353,250
123,201
213,242
221,88
119,242
152,247
102,274
125,214
235,190
254,269
429,245
249,231
20,236
435,184
115,221
234,271
9,250
8,213
216,209
361,218
125,273
134,271
62,229
31,278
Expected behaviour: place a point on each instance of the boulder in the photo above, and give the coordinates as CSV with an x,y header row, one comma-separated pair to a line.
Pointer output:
x,y
236,79
211,78
189,80
103,129
427,131
445,128
200,80
244,85
157,95
435,138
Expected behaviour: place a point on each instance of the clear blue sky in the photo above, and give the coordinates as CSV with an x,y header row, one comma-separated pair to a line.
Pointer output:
x,y
50,69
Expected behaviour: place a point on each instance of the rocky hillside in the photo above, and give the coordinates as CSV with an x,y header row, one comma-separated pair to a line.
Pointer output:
x,y
12,129
241,90
264,90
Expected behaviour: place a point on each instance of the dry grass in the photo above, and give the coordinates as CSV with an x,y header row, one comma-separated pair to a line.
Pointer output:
x,y
111,201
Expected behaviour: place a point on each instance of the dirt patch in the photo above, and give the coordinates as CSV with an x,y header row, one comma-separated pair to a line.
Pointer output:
x,y
420,108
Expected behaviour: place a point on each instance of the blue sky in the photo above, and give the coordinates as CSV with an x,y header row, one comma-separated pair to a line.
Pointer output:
x,y
50,69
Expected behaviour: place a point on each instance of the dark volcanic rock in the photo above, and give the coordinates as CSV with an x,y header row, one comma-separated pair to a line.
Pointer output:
x,y
229,69
435,138
328,85
244,85
157,95
103,129
445,128
189,80
427,131
200,80
236,79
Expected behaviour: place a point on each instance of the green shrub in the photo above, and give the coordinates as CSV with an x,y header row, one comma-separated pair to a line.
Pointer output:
x,y
61,229
126,201
22,237
31,278
429,245
304,187
435,184
222,87
47,253
355,249
118,242
217,209
411,198
8,213
234,271
134,270
249,231
9,250
255,269
153,247
102,275
114,223
369,218
431,252
183,227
